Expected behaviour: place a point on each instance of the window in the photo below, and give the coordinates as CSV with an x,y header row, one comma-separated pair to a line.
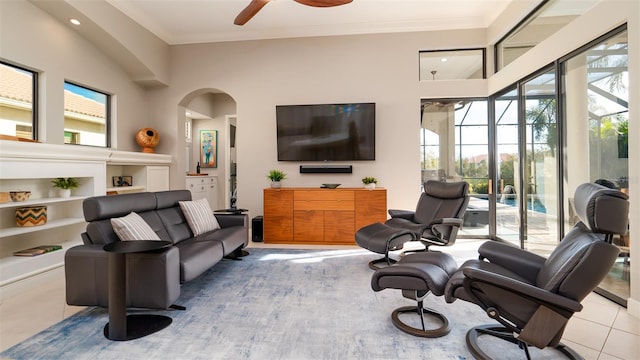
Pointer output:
x,y
543,22
452,65
18,99
86,116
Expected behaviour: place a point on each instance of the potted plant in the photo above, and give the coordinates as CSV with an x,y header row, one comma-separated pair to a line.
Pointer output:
x,y
369,182
65,185
276,176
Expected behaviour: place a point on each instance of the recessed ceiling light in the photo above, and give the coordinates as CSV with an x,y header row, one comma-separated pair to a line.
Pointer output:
x,y
188,113
443,59
74,21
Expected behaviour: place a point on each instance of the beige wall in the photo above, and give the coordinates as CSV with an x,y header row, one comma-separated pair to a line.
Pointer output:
x,y
40,42
259,75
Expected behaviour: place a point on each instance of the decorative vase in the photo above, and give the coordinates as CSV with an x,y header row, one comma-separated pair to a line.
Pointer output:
x,y
370,186
147,138
276,184
64,193
31,216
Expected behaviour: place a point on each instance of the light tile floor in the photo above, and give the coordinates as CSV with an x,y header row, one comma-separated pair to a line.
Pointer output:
x,y
601,331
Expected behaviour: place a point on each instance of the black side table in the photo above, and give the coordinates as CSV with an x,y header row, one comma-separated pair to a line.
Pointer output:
x,y
123,327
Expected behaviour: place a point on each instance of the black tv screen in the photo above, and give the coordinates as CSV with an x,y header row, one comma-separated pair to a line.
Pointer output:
x,y
328,132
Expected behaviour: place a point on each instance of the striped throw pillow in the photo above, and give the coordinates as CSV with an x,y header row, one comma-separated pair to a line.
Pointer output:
x,y
133,227
199,216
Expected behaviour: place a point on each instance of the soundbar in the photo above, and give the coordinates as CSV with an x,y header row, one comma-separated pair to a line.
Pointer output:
x,y
326,169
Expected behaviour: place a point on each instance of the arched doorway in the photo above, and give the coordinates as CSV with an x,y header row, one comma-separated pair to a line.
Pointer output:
x,y
207,119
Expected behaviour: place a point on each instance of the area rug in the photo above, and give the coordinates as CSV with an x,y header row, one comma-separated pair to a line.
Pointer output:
x,y
273,304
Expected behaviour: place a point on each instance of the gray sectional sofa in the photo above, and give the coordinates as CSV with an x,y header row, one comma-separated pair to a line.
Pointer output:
x,y
153,278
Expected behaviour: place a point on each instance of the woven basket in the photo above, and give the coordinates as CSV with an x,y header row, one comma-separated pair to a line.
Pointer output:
x,y
31,216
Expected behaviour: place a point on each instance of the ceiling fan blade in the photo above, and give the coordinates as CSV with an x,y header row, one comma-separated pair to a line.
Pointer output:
x,y
323,3
247,13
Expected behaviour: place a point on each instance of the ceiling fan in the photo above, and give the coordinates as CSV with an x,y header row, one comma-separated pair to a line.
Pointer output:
x,y
255,5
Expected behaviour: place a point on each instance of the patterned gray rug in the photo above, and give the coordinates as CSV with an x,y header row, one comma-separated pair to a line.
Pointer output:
x,y
274,304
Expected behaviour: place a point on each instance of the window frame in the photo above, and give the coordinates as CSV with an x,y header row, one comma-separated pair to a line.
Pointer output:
x,y
34,96
107,134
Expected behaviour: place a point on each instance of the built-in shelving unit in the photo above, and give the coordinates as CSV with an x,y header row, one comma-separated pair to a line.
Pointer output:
x,y
31,167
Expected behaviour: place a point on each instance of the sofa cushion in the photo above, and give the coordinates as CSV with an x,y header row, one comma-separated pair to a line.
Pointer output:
x,y
197,256
133,227
199,216
231,238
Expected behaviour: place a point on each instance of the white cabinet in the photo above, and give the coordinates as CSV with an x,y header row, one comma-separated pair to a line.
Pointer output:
x,y
142,172
204,187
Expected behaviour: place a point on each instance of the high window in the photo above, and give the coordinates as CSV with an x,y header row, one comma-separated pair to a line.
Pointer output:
x,y
86,116
452,64
547,19
18,99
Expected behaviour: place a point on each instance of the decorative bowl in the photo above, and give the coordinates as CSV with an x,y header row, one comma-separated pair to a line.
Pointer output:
x,y
330,186
19,195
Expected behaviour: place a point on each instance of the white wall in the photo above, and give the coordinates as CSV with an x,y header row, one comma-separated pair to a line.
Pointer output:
x,y
33,39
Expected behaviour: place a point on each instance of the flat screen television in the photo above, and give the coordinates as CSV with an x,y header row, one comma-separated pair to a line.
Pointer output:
x,y
326,132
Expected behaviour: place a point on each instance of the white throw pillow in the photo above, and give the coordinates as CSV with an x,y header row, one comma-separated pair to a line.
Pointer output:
x,y
199,216
133,227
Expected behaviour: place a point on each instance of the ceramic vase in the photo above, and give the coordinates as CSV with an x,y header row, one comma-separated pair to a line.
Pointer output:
x,y
64,193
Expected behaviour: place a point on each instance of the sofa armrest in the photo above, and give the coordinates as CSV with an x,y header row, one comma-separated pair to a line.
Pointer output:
x,y
229,220
153,278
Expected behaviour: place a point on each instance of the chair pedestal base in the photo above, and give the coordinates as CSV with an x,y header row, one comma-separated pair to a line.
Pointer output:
x,y
505,334
373,264
420,311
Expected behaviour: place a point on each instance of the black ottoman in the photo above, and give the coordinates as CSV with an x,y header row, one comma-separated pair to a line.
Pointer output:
x,y
417,275
381,239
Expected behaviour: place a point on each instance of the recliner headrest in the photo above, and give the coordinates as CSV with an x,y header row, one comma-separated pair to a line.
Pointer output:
x,y
601,209
446,190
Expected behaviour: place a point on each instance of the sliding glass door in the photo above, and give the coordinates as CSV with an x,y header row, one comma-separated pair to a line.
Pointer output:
x,y
540,163
455,147
596,115
507,167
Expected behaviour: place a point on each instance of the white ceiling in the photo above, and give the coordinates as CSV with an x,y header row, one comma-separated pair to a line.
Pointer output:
x,y
197,21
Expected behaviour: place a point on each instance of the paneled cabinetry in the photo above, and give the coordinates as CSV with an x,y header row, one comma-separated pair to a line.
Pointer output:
x,y
204,187
320,216
148,172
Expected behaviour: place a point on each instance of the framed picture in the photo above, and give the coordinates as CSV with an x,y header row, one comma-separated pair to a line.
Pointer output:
x,y
120,181
209,148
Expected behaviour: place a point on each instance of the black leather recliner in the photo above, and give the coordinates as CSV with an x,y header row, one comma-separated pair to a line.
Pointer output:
x,y
438,215
535,297
531,297
436,220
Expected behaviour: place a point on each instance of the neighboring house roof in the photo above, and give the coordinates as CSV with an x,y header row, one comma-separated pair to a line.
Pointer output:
x,y
15,85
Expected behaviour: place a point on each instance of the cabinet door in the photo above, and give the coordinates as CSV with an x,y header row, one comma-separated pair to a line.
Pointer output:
x,y
339,227
371,207
157,178
278,215
308,226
